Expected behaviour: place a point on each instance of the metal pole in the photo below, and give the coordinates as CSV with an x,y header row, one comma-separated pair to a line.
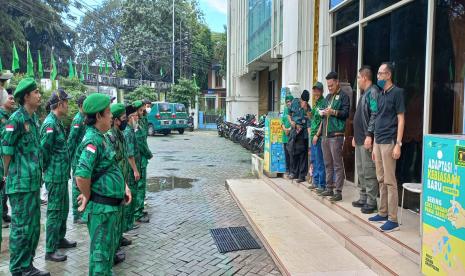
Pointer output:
x,y
172,69
180,51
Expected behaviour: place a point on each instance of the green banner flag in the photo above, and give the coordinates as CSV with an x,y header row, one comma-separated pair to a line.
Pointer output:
x,y
81,77
1,65
87,66
30,63
76,73
100,68
161,71
53,71
70,69
117,57
15,60
40,68
107,69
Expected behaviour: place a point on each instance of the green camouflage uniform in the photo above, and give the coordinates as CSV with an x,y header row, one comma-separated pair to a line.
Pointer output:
x,y
133,151
97,162
141,138
21,142
116,138
4,115
76,133
56,160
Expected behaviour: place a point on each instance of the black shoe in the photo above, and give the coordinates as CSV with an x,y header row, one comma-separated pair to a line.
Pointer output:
x,y
144,219
336,197
359,203
145,213
327,193
300,180
120,256
291,176
369,209
64,243
55,257
79,221
32,272
6,218
125,242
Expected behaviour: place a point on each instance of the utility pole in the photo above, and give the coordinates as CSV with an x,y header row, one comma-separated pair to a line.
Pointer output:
x,y
172,69
180,50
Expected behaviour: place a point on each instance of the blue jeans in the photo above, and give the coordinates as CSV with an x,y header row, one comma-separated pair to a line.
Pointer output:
x,y
319,175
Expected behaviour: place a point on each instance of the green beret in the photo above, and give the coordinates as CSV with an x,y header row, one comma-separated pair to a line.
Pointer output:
x,y
318,85
24,86
289,98
117,110
95,103
137,104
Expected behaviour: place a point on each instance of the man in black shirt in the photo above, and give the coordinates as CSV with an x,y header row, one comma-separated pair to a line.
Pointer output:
x,y
389,130
364,124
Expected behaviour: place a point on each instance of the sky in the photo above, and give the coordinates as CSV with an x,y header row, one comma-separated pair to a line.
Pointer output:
x,y
215,12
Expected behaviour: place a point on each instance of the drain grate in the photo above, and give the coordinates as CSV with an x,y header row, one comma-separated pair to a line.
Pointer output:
x,y
233,239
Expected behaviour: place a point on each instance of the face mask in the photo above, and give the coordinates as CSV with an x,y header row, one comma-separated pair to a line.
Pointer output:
x,y
123,124
135,125
148,109
381,83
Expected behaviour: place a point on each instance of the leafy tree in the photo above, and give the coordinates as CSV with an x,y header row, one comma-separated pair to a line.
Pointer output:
x,y
184,92
140,93
220,50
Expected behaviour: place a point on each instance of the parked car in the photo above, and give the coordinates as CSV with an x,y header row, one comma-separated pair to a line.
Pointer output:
x,y
179,117
160,118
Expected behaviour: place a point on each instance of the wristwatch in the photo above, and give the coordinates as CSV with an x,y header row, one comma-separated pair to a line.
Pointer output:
x,y
399,143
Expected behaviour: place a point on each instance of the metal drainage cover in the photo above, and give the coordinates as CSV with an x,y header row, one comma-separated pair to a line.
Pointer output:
x,y
233,239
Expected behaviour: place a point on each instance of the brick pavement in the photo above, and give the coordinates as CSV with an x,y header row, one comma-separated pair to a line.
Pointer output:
x,y
177,239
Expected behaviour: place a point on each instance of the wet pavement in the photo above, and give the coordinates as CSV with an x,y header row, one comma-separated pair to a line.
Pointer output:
x,y
186,198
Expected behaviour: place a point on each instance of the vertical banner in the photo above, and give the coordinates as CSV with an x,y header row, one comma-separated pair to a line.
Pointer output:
x,y
274,157
443,201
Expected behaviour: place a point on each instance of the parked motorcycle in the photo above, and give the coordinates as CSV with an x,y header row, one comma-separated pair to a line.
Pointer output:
x,y
190,123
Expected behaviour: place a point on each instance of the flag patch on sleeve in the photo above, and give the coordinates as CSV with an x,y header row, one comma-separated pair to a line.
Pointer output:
x,y
10,128
49,130
76,126
91,148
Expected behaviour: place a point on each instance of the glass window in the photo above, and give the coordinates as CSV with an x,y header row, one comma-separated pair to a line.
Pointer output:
x,y
373,6
180,108
346,52
334,3
259,34
164,107
448,68
346,15
400,37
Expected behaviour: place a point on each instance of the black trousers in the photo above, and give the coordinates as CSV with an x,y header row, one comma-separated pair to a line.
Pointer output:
x,y
5,206
300,158
288,159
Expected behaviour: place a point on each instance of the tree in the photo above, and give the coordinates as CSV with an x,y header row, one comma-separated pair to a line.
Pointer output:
x,y
220,50
140,93
184,92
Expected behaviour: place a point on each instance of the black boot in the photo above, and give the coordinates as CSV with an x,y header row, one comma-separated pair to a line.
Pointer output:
x,y
125,242
64,243
55,257
120,256
33,272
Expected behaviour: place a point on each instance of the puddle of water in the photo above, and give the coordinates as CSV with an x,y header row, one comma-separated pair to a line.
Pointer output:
x,y
210,165
171,169
186,139
161,183
244,161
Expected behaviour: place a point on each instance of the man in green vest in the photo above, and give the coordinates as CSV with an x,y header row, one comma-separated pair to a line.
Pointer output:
x,y
101,182
146,154
56,167
76,133
22,161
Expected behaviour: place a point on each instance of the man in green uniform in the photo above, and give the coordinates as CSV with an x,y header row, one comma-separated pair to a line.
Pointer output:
x,y
76,133
23,171
286,125
146,154
6,105
101,182
56,168
134,162
116,137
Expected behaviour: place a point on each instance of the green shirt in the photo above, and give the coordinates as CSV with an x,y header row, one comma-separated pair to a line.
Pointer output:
x,y
316,117
116,138
286,124
21,142
4,115
141,138
55,150
97,162
76,133
133,148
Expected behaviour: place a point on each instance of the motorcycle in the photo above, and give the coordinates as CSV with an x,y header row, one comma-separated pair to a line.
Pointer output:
x,y
190,123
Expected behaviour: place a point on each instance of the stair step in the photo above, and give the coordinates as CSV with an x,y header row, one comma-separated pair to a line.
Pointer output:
x,y
297,245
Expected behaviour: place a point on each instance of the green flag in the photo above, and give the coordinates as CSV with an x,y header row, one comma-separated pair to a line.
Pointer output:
x,y
117,57
1,65
81,77
70,69
53,71
161,71
100,68
40,68
30,63
195,80
15,60
76,73
107,69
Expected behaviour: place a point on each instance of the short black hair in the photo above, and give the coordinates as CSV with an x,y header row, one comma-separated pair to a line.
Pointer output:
x,y
366,71
390,67
80,100
21,99
91,119
332,76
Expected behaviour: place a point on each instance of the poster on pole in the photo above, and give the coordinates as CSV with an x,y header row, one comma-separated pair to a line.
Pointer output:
x,y
274,157
443,203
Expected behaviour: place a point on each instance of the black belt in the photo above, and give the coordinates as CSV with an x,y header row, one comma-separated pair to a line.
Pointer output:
x,y
105,200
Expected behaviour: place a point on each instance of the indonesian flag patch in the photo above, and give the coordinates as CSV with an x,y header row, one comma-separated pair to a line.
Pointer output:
x,y
10,128
91,148
76,126
49,130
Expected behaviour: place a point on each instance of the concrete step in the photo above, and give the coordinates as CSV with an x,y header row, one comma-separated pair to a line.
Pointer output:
x,y
296,243
380,251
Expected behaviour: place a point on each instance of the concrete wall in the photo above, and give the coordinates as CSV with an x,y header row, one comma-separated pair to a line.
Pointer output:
x,y
245,98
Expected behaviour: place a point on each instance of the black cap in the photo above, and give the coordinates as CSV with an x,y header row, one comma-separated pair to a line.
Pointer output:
x,y
81,100
145,101
130,109
59,95
305,96
9,91
332,76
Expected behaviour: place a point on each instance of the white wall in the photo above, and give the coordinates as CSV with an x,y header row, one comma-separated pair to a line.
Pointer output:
x,y
245,98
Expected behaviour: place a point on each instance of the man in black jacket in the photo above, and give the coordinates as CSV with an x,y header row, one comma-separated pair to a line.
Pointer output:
x,y
364,127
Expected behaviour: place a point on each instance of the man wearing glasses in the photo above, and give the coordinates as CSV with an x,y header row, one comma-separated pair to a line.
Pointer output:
x,y
389,130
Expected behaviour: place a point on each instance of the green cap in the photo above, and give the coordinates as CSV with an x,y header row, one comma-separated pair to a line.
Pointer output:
x,y
318,85
289,98
24,86
137,104
95,103
117,110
